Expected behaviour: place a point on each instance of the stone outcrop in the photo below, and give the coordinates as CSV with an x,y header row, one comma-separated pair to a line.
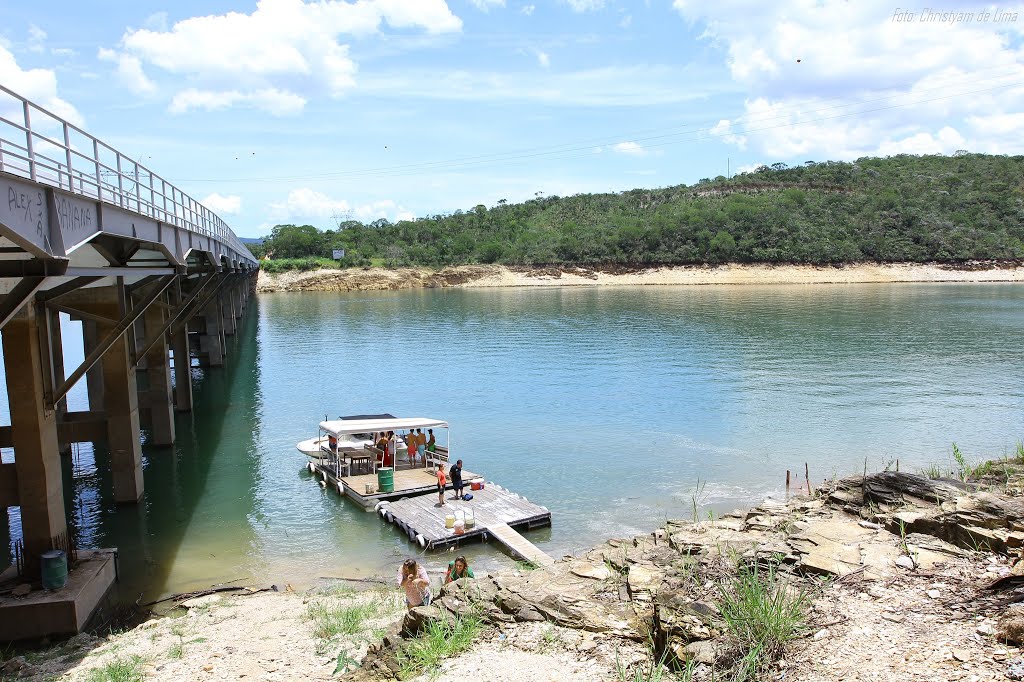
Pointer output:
x,y
664,585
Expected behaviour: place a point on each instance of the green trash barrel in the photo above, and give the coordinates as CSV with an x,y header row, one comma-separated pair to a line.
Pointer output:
x,y
386,480
55,569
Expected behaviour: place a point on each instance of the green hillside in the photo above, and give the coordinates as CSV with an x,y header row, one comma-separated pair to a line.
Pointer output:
x,y
902,208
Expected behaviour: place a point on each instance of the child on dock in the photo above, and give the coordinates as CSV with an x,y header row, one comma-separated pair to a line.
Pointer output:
x,y
442,481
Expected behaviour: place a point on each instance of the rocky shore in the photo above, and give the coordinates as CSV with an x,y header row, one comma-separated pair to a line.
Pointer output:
x,y
374,279
903,577
892,576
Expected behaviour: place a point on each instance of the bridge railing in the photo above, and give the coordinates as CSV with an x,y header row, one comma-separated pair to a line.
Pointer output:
x,y
40,145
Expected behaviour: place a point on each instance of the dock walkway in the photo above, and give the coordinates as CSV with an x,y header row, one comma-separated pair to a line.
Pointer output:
x,y
497,512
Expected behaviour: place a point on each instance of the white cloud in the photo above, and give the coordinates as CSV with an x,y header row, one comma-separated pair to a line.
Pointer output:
x,y
283,45
37,85
543,59
527,9
842,80
723,130
36,38
633,86
585,5
129,71
63,52
626,21
309,204
629,148
228,205
273,101
486,5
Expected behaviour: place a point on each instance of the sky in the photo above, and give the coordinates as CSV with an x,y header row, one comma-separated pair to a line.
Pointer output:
x,y
284,111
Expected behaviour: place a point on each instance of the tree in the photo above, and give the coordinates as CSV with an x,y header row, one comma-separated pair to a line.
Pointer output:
x,y
295,241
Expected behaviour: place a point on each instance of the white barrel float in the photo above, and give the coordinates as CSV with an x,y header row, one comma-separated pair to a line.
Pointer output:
x,y
312,469
341,488
389,517
323,483
420,539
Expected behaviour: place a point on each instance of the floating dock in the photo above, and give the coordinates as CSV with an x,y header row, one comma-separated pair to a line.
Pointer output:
x,y
408,482
497,512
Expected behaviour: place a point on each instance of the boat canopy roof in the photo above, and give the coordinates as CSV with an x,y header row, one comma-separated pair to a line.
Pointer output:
x,y
347,426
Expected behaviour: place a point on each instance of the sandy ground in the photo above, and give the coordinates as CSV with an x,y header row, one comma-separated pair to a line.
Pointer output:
x,y
356,279
266,636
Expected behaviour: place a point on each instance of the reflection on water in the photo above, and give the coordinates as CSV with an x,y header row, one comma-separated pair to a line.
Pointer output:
x,y
606,405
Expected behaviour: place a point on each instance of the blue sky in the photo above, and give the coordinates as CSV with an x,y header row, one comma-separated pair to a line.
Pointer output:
x,y
292,111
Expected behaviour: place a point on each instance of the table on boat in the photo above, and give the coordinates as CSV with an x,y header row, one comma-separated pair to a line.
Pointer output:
x,y
358,458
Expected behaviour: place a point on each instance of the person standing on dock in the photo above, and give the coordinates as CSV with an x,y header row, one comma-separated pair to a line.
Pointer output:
x,y
441,482
421,445
456,475
412,578
412,445
431,441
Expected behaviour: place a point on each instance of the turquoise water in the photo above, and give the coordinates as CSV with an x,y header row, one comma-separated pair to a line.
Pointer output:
x,y
611,406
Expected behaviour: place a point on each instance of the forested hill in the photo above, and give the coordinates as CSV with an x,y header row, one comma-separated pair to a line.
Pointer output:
x,y
902,208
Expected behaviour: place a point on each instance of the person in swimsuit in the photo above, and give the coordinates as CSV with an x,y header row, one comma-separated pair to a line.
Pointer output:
x,y
421,445
431,441
442,481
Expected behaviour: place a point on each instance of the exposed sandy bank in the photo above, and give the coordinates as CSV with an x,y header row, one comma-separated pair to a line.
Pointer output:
x,y
369,279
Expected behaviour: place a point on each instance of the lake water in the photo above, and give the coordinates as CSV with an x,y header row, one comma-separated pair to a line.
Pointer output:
x,y
611,406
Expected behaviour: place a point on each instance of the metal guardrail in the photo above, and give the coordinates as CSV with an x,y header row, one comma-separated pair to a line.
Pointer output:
x,y
47,149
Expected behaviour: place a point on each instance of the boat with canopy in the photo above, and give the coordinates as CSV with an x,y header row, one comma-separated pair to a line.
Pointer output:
x,y
348,443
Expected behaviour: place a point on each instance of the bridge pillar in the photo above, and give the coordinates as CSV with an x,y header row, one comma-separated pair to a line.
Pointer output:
x,y
56,348
227,309
120,390
40,485
121,404
182,370
238,291
94,377
158,398
211,341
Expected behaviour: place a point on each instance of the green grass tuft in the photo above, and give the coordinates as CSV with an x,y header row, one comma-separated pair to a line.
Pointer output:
x,y
762,613
440,641
331,620
118,670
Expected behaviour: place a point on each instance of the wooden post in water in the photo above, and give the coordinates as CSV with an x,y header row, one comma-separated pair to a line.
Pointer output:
x,y
807,477
787,482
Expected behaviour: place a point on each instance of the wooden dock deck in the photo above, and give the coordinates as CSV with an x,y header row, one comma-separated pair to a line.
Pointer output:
x,y
408,482
497,512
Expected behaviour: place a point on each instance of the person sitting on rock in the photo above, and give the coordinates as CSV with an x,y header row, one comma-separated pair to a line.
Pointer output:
x,y
457,570
412,578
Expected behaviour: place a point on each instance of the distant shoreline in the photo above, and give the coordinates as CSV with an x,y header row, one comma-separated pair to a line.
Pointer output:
x,y
483,276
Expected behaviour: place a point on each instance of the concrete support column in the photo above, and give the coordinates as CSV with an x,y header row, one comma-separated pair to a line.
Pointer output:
x,y
182,370
34,433
121,403
211,342
57,358
158,372
239,298
94,377
227,311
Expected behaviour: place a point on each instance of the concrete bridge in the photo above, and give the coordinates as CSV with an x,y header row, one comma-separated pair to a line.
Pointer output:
x,y
156,279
